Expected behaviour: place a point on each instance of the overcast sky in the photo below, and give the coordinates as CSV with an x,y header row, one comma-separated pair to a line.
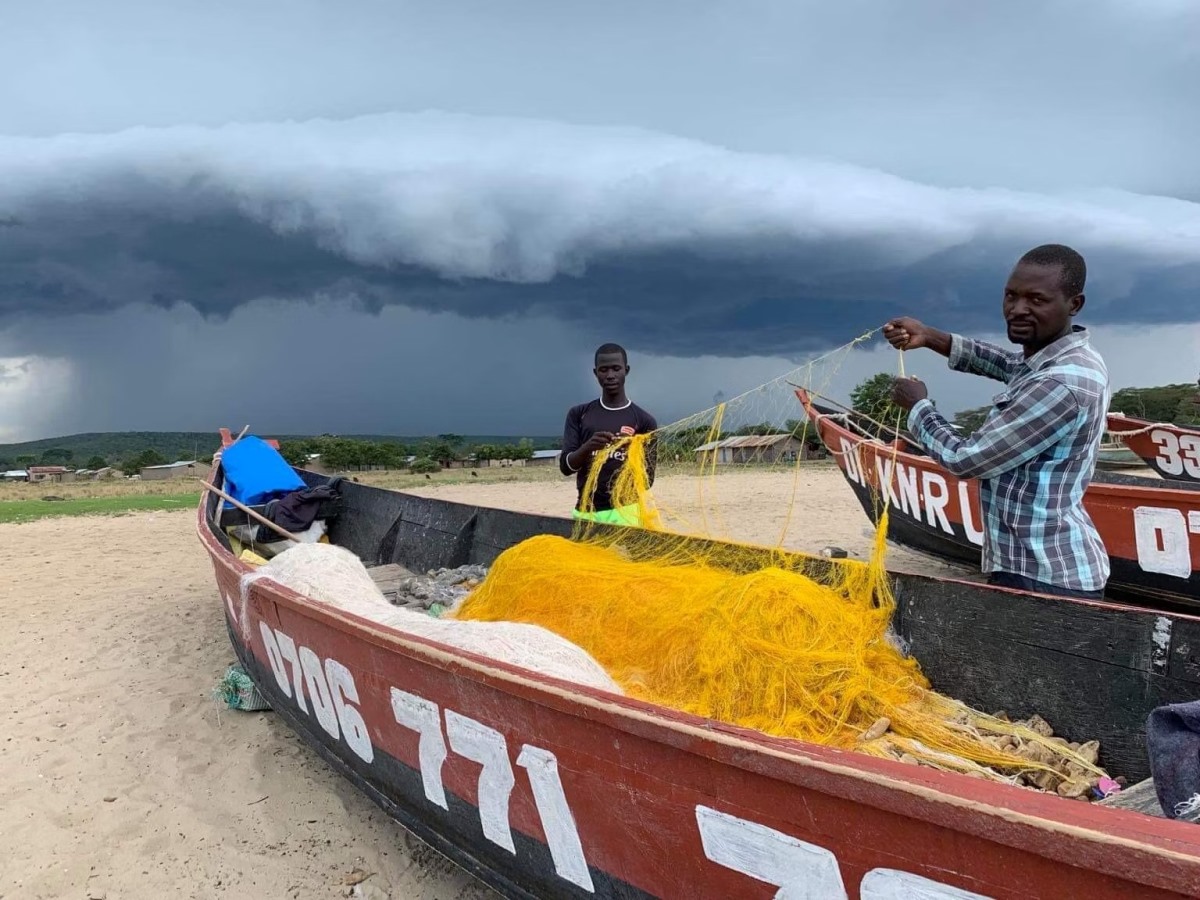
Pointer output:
x,y
415,217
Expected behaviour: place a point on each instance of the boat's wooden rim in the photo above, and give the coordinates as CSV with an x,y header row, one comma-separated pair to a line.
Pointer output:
x,y
1137,426
1110,484
980,808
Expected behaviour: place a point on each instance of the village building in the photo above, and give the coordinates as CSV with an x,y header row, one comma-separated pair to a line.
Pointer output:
x,y
544,458
14,475
184,468
757,448
38,474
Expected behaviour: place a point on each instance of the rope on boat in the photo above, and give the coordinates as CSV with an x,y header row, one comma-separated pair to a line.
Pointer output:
x,y
1135,432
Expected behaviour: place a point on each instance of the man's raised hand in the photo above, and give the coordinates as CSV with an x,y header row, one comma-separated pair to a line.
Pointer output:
x,y
908,392
906,333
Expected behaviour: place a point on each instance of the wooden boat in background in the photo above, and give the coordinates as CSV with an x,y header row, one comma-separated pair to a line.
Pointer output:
x,y
1173,451
1151,529
545,789
1117,456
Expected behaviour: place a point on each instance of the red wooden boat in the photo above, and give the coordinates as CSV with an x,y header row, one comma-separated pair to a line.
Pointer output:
x,y
1151,530
1173,451
546,789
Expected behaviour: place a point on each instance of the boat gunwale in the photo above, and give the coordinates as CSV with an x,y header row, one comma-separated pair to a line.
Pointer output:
x,y
1107,483
982,809
1143,425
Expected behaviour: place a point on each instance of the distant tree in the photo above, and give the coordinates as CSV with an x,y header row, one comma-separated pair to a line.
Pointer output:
x,y
1188,411
424,465
454,440
26,460
391,455
56,456
342,454
442,452
1165,403
759,429
805,430
96,462
971,420
523,449
146,458
486,452
873,397
295,452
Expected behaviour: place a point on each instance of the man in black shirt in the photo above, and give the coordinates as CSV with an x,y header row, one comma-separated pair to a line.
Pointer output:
x,y
594,425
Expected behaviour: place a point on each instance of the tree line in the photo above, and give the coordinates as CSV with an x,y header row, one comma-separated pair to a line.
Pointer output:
x,y
871,396
341,454
57,456
1164,403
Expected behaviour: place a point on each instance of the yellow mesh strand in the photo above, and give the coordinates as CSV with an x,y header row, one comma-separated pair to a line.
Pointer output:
x,y
748,635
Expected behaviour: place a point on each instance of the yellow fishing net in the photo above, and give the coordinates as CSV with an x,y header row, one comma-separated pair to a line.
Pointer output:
x,y
755,636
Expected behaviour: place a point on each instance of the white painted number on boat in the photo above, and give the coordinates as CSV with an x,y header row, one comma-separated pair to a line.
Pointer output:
x,y
330,687
345,693
892,884
421,715
1163,543
804,871
800,870
1177,453
477,742
561,834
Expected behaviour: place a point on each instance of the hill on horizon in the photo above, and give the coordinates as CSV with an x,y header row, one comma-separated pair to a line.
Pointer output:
x,y
116,446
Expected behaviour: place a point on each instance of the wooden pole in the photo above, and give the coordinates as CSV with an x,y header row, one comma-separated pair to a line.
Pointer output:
x,y
262,520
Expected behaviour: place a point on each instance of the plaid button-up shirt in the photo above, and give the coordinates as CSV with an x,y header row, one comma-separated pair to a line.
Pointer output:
x,y
1033,456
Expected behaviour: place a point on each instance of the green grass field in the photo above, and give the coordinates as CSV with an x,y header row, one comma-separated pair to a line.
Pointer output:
x,y
29,510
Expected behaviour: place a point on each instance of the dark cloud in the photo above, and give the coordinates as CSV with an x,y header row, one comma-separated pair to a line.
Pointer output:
x,y
265,180
323,366
686,248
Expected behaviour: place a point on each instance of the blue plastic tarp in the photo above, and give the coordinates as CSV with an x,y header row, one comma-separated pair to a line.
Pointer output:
x,y
255,473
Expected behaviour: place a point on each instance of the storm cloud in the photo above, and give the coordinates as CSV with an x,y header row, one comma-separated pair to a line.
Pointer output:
x,y
685,247
407,189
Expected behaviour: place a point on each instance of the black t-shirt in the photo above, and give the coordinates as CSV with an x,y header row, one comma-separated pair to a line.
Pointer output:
x,y
585,420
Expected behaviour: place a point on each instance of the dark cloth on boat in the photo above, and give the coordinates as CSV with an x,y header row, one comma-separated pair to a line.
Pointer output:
x,y
296,511
1173,744
1023,583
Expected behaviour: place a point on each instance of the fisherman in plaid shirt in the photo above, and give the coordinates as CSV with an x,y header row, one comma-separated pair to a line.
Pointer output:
x,y
1035,454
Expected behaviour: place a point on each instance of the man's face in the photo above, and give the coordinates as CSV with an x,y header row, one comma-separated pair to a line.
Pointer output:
x,y
610,371
1036,310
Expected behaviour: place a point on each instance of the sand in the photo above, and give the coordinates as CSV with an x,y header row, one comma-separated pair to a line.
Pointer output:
x,y
121,777
806,510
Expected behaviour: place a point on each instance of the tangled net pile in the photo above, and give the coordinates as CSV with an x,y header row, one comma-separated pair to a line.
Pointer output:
x,y
757,637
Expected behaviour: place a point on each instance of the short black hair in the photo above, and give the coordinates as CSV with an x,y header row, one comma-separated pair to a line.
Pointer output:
x,y
611,348
1074,269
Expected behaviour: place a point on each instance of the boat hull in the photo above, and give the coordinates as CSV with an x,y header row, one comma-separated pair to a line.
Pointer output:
x,y
1170,450
545,789
1150,530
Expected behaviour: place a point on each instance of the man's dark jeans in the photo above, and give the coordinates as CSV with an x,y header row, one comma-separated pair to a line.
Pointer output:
x,y
1021,583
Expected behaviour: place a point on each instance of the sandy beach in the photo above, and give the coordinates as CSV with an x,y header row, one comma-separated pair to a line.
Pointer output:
x,y
806,510
122,777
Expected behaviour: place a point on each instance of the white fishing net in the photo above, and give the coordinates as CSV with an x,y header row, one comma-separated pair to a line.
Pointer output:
x,y
333,575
